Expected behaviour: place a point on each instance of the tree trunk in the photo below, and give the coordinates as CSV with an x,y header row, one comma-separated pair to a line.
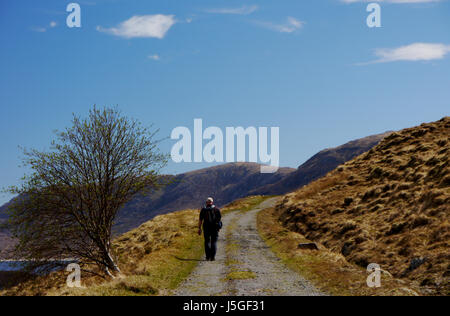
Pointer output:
x,y
111,264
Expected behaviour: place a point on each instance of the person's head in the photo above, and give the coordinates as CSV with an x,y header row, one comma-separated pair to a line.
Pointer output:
x,y
209,201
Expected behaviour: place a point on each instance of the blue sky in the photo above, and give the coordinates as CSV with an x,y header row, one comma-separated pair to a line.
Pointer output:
x,y
313,68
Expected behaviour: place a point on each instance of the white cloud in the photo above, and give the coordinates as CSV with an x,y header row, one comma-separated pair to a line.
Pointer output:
x,y
291,25
154,26
39,29
244,10
154,57
392,1
413,52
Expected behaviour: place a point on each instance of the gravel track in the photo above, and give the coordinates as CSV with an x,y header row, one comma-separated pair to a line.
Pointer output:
x,y
242,253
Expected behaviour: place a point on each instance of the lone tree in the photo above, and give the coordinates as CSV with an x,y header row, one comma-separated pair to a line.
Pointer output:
x,y
67,205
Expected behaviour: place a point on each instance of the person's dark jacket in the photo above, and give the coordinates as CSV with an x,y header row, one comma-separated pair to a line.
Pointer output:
x,y
211,218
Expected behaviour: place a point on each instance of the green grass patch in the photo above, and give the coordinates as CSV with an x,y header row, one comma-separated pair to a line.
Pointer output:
x,y
240,275
232,262
246,204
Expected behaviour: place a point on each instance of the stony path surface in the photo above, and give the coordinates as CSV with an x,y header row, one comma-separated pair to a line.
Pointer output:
x,y
243,254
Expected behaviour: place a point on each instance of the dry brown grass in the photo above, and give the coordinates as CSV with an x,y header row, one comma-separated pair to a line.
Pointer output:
x,y
389,206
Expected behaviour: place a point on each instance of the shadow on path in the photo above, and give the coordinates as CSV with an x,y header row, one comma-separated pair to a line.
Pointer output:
x,y
189,259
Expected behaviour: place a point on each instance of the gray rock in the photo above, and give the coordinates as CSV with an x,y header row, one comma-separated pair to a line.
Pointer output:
x,y
416,263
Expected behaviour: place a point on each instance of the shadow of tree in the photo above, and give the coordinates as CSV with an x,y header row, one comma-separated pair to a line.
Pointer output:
x,y
9,279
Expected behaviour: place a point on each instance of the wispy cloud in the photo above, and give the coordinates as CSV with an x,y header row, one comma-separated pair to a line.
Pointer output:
x,y
41,29
413,52
392,1
154,57
150,26
291,25
244,10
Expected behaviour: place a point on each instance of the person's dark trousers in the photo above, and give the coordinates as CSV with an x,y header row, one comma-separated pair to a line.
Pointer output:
x,y
211,243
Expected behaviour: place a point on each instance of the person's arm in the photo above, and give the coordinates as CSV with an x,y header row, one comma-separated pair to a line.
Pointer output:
x,y
200,222
219,215
200,226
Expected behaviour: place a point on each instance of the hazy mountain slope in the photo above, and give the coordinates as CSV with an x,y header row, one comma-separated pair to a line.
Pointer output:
x,y
320,164
389,206
3,209
6,242
225,183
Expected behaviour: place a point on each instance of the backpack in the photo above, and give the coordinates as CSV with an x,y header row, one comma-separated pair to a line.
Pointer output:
x,y
212,220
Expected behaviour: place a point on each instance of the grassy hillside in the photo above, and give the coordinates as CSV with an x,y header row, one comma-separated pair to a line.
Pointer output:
x,y
389,206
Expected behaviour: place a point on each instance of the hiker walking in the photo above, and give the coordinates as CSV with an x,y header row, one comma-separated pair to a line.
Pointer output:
x,y
210,217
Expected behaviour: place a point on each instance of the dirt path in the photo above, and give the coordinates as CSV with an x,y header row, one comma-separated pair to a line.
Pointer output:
x,y
244,265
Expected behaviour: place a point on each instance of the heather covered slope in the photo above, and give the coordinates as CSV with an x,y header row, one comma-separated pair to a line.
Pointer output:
x,y
388,206
320,164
